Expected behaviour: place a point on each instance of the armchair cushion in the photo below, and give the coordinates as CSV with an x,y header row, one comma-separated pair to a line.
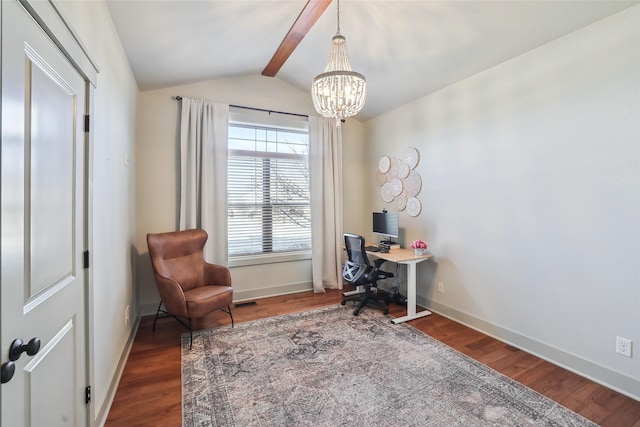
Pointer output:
x,y
201,300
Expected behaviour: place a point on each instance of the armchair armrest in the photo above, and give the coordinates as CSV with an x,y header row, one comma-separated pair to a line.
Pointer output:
x,y
172,296
215,274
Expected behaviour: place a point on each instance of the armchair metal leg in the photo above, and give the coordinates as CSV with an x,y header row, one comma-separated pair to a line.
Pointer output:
x,y
228,311
190,324
156,319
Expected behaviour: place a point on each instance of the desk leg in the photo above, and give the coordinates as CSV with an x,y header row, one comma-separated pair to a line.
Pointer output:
x,y
411,296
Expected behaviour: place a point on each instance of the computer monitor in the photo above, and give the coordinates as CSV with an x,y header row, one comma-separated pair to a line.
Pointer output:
x,y
386,224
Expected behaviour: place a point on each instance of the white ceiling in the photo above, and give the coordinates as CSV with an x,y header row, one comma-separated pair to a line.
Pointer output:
x,y
405,49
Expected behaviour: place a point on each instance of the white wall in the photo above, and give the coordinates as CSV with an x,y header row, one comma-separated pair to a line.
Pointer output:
x,y
158,200
355,176
112,213
531,198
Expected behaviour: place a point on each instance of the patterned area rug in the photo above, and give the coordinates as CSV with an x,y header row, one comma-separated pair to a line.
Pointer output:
x,y
326,367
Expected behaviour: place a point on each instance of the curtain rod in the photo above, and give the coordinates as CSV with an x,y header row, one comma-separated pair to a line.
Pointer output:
x,y
179,98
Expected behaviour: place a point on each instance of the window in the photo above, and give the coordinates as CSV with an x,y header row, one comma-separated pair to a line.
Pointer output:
x,y
268,188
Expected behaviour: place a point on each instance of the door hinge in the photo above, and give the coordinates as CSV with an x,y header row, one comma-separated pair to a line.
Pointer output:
x,y
85,259
86,123
87,394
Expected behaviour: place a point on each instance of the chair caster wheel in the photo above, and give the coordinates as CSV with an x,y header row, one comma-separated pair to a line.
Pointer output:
x,y
343,302
385,311
356,312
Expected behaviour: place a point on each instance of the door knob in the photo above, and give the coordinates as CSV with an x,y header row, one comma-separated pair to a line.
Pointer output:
x,y
18,347
7,369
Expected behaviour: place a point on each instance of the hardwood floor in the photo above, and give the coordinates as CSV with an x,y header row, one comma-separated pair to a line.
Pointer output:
x,y
149,393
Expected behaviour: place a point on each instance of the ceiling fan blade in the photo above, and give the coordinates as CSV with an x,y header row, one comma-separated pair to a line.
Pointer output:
x,y
309,15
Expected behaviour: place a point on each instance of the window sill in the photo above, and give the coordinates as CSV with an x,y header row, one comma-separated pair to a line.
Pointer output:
x,y
243,261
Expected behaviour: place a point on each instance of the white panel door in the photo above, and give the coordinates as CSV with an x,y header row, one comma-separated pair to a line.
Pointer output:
x,y
42,224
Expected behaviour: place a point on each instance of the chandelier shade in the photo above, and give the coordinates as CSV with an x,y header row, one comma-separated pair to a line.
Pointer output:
x,y
339,92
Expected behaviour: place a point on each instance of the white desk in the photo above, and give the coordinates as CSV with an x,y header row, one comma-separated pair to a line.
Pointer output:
x,y
407,257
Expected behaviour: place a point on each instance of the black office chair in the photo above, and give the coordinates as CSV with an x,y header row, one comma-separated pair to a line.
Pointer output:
x,y
359,272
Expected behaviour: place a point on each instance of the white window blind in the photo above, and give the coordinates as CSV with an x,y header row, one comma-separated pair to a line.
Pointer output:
x,y
268,186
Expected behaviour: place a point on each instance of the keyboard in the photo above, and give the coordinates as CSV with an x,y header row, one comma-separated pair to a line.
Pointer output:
x,y
372,248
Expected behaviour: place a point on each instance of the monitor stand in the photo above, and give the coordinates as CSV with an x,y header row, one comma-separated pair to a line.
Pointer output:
x,y
389,244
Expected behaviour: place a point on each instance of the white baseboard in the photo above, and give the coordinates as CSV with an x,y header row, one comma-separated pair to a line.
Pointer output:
x,y
103,412
246,295
292,288
585,368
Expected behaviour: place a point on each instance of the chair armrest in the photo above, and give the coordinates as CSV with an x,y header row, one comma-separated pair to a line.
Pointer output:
x,y
380,274
172,296
215,274
378,263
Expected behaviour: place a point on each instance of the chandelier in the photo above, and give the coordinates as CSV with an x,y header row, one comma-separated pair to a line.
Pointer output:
x,y
339,92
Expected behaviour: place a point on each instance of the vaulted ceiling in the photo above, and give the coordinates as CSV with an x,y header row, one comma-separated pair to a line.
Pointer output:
x,y
405,49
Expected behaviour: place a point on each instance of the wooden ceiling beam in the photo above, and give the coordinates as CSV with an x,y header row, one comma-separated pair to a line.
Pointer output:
x,y
309,15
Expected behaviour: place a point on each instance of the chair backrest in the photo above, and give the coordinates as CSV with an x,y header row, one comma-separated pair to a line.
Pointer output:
x,y
354,244
357,263
178,256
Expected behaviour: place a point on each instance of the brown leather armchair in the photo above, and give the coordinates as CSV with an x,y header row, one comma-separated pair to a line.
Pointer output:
x,y
189,287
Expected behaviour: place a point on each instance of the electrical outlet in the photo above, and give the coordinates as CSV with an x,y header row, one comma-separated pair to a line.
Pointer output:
x,y
127,311
623,346
441,287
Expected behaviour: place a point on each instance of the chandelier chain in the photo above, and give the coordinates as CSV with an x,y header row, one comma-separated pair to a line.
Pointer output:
x,y
338,14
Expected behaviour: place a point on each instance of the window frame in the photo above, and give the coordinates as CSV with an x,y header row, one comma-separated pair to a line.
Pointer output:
x,y
257,125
